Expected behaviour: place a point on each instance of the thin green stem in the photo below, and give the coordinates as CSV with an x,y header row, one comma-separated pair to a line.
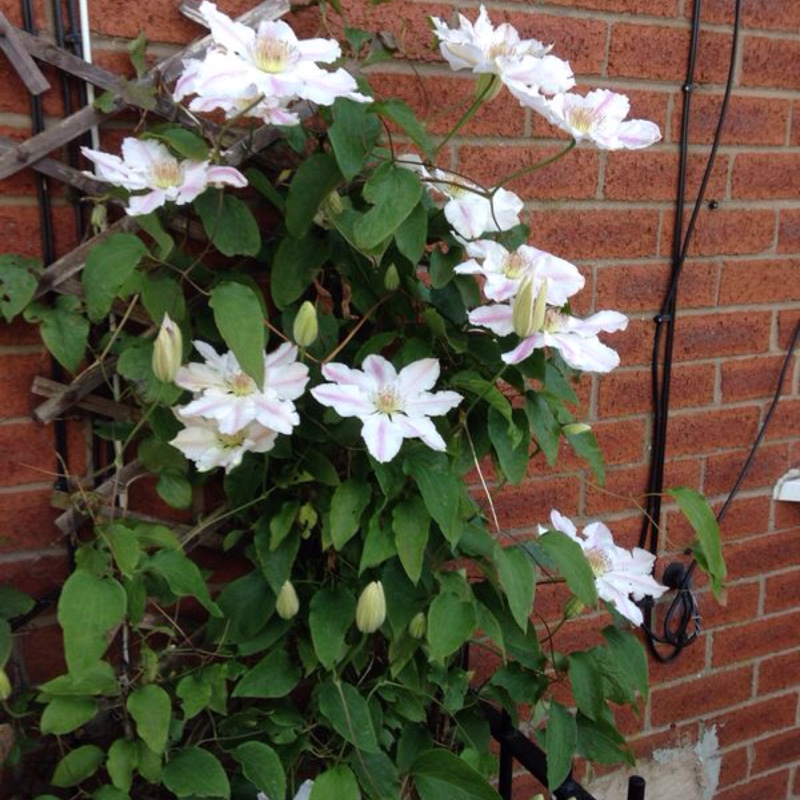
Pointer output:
x,y
534,167
466,116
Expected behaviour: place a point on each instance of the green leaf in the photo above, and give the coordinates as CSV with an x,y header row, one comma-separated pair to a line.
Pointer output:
x,y
108,266
137,52
337,783
440,774
587,684
162,295
109,793
246,603
88,610
151,709
561,739
544,425
136,364
294,267
273,676
487,391
451,622
261,183
124,547
347,505
94,679
65,714
229,223
393,193
412,235
379,544
572,564
511,448
262,767
585,445
349,714
377,773
194,772
708,545
411,525
401,114
239,316
331,613
184,142
630,657
122,760
515,570
315,179
352,135
151,224
276,564
601,742
64,330
77,766
17,283
174,489
441,490
183,577
14,603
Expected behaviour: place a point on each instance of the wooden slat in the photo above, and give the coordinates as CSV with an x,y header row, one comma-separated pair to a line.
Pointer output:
x,y
84,384
20,59
44,387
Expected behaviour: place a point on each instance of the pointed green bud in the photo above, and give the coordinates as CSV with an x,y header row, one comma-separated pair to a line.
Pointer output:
x,y
167,351
488,86
573,608
540,307
99,218
391,280
371,608
287,604
306,326
575,428
307,516
522,306
5,686
333,204
418,625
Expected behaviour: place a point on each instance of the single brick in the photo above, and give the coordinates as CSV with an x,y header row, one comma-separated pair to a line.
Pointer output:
x,y
767,61
766,176
716,335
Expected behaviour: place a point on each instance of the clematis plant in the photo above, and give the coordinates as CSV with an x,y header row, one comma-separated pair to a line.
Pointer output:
x,y
379,349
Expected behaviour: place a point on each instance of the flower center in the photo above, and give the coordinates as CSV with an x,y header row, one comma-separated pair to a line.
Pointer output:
x,y
231,440
387,401
583,119
598,561
273,55
514,265
241,385
166,173
554,320
499,49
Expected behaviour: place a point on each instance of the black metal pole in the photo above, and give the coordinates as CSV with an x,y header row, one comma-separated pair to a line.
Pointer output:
x,y
636,786
506,771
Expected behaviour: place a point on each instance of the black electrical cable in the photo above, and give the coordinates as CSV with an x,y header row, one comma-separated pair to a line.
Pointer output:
x,y
682,615
682,621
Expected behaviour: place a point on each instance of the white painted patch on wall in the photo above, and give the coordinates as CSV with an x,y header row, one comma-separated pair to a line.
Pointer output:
x,y
689,772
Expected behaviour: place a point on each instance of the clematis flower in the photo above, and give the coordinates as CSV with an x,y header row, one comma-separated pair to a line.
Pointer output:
x,y
303,793
230,397
393,406
576,339
504,269
499,51
469,208
270,62
619,574
202,441
149,165
598,117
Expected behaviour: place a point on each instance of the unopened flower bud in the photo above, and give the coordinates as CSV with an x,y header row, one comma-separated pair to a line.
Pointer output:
x,y
5,685
99,218
576,428
167,351
306,326
287,604
418,625
391,280
488,86
371,608
573,608
307,516
528,310
333,205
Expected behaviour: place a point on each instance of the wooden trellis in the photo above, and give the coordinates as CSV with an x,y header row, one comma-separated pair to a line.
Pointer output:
x,y
24,50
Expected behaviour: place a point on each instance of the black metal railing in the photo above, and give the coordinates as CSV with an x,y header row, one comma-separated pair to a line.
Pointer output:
x,y
515,746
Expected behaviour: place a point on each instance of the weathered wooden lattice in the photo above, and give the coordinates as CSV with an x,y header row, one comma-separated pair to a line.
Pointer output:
x,y
23,50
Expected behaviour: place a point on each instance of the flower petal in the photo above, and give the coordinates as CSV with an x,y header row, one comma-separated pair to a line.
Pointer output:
x,y
346,400
382,436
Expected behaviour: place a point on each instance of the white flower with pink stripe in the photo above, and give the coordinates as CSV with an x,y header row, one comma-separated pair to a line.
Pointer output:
x,y
392,405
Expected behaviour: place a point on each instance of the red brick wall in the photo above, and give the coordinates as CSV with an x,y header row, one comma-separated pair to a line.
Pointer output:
x,y
612,214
